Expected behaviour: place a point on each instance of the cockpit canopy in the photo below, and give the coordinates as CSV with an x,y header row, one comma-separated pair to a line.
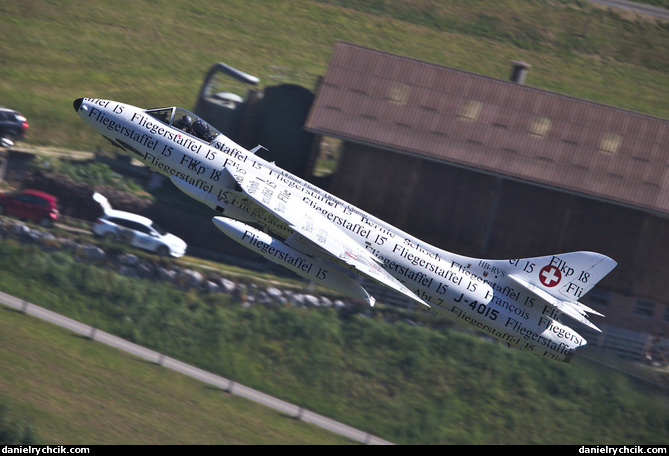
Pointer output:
x,y
185,121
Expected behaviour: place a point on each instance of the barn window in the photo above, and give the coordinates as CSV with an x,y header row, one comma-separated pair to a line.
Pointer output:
x,y
471,110
540,126
610,143
399,93
644,308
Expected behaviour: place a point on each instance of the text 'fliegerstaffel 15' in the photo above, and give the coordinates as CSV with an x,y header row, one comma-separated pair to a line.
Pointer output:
x,y
524,302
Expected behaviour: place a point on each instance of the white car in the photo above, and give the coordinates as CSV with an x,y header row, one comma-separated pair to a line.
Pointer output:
x,y
137,230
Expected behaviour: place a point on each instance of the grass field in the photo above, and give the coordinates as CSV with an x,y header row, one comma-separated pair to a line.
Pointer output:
x,y
156,53
75,391
421,383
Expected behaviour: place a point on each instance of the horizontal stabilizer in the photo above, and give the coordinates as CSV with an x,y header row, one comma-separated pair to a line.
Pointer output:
x,y
574,309
589,310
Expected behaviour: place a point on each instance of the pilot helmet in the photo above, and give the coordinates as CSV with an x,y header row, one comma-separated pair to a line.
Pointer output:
x,y
199,127
184,122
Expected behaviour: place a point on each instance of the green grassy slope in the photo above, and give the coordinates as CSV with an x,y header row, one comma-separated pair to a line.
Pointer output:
x,y
75,391
409,384
152,53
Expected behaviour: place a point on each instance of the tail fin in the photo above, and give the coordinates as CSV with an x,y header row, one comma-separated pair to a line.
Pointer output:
x,y
566,276
560,280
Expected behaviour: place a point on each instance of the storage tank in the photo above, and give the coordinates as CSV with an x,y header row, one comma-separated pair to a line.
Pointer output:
x,y
281,131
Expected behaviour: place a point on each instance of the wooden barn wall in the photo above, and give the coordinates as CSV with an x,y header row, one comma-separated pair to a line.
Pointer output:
x,y
480,215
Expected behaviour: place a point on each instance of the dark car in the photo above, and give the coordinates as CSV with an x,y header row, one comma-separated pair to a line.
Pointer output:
x,y
13,124
32,205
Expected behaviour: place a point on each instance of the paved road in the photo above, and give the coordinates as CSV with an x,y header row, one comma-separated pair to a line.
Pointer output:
x,y
660,13
192,371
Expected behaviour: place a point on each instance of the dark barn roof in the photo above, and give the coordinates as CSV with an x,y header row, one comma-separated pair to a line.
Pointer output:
x,y
500,127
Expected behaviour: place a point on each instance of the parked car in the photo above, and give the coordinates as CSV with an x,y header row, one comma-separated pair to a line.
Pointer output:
x,y
32,205
137,230
13,125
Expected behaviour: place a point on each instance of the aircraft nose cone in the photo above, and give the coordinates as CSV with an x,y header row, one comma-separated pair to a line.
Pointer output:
x,y
77,104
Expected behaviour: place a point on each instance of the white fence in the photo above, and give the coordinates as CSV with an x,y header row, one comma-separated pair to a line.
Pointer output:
x,y
631,345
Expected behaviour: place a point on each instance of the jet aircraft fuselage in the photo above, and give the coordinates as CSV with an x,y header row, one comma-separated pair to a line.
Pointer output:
x,y
522,302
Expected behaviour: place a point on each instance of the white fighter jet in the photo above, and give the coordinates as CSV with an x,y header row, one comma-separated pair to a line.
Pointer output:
x,y
526,303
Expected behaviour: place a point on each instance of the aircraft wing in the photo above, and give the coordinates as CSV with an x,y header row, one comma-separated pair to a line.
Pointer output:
x,y
318,231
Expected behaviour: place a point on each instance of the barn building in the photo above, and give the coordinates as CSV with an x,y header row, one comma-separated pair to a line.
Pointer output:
x,y
498,169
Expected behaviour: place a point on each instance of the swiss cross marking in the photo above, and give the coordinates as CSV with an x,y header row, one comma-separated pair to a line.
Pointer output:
x,y
550,276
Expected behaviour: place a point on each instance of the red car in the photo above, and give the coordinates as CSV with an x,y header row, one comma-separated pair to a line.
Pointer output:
x,y
32,205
